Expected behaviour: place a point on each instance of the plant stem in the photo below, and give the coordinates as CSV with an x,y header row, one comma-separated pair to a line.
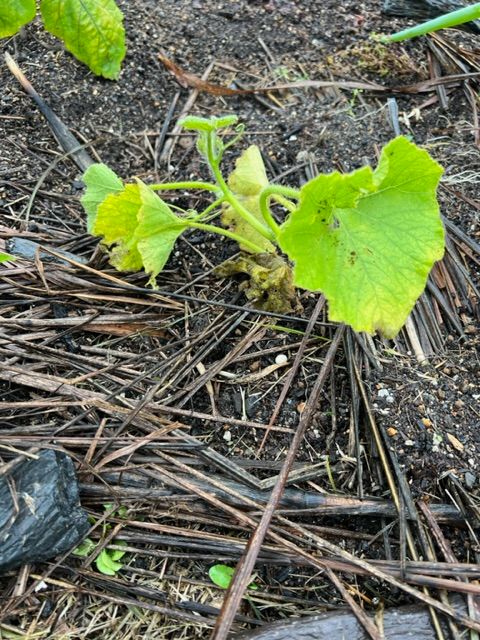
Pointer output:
x,y
266,194
242,211
229,234
207,186
451,19
210,208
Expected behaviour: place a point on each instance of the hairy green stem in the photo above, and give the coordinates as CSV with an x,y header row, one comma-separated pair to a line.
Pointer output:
x,y
280,192
207,186
242,211
451,19
229,234
211,207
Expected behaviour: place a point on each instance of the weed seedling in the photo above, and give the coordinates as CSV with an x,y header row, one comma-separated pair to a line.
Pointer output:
x,y
366,239
107,561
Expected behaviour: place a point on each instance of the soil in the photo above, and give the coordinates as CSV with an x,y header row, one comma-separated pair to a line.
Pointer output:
x,y
429,412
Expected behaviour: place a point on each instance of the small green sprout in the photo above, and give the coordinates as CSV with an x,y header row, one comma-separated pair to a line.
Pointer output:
x,y
222,574
107,561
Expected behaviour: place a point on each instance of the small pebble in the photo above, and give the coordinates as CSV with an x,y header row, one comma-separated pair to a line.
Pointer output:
x,y
227,436
409,443
386,395
470,479
281,359
391,431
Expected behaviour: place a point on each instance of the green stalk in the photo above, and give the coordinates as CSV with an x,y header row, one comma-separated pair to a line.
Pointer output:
x,y
207,186
278,191
451,19
230,198
210,208
229,234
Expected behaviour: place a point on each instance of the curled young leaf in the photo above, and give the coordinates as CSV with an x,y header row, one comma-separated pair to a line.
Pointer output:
x,y
247,181
196,123
368,240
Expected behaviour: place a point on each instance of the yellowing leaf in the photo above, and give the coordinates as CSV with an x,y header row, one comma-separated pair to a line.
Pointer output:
x,y
100,182
14,14
117,222
247,181
91,29
157,231
368,240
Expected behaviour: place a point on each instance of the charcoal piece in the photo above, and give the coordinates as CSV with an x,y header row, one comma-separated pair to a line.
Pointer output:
x,y
40,512
27,249
422,10
400,623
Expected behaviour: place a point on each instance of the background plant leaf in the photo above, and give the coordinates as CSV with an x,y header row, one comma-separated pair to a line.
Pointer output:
x,y
100,181
14,14
157,231
368,240
91,29
247,181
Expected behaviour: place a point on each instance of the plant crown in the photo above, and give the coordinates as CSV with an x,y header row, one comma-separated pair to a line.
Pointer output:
x,y
366,239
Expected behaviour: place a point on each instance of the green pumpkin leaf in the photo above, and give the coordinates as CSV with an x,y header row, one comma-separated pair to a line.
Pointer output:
x,y
117,222
14,14
91,29
368,240
100,182
157,231
247,180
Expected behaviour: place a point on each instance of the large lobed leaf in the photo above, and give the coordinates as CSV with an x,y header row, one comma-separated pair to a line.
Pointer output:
x,y
14,14
369,239
91,29
247,181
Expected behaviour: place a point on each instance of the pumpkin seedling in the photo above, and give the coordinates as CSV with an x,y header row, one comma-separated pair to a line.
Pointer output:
x,y
366,239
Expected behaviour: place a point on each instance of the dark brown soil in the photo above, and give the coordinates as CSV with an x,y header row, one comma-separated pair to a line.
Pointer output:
x,y
430,412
